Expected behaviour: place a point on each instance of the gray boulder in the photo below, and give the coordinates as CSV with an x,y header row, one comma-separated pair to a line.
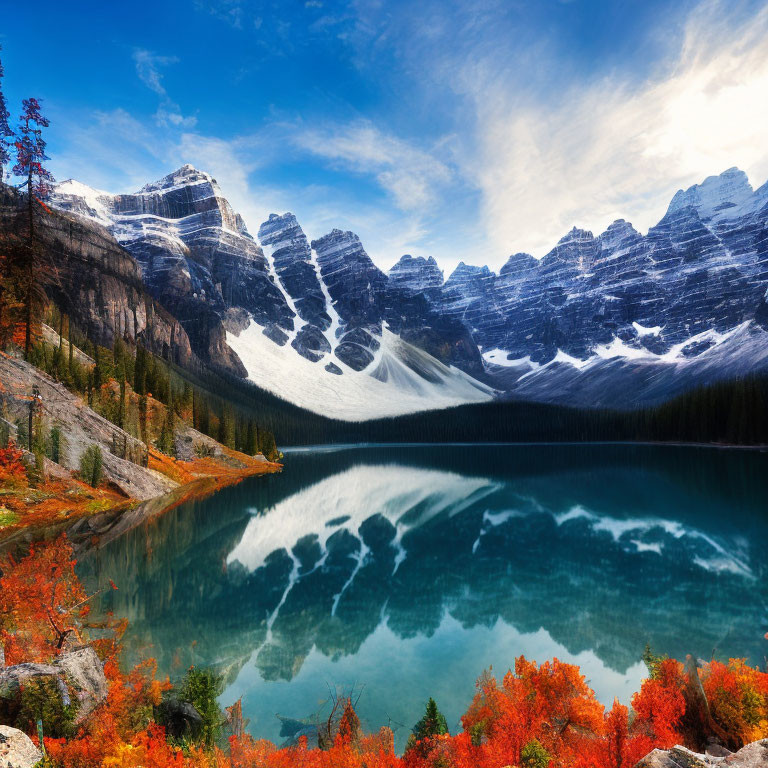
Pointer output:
x,y
77,673
753,755
17,749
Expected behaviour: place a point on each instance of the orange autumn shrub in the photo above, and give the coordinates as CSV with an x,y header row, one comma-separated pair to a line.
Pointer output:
x,y
738,699
659,707
551,703
41,602
12,469
350,749
123,729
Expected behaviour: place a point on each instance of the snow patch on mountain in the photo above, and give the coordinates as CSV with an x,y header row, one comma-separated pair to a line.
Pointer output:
x,y
332,333
643,331
389,386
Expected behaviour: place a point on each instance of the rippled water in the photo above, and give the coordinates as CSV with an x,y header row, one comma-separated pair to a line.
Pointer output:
x,y
403,572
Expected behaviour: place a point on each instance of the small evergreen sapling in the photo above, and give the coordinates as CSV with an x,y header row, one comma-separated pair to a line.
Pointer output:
x,y
91,465
432,724
534,755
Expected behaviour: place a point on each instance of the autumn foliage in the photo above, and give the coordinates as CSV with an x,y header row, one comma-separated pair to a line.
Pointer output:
x,y
41,603
12,468
538,715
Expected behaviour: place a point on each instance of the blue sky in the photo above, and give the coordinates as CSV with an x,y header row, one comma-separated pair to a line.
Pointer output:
x,y
464,130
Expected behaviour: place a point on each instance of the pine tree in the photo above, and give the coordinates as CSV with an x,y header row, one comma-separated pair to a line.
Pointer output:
x,y
140,371
167,441
30,153
30,156
143,426
203,417
69,342
225,435
432,724
5,129
122,405
251,440
186,403
267,445
98,369
56,445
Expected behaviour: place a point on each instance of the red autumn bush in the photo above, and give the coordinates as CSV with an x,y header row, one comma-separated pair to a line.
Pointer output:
x,y
12,468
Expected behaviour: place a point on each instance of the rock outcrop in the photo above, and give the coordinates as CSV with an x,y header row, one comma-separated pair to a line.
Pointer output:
x,y
97,282
79,675
17,749
84,427
753,755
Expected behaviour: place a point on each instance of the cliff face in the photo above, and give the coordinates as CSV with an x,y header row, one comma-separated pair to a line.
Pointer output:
x,y
195,253
97,282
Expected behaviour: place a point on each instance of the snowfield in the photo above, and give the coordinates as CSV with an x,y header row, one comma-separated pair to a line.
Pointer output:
x,y
387,387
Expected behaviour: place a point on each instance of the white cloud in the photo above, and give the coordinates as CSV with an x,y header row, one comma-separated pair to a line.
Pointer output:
x,y
108,150
148,67
412,176
613,149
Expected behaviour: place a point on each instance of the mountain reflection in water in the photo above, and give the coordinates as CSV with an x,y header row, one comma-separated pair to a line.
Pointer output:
x,y
408,570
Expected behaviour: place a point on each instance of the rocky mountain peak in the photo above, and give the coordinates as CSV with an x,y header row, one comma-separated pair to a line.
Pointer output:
x,y
464,272
574,251
728,194
519,265
279,228
184,176
415,273
576,235
618,234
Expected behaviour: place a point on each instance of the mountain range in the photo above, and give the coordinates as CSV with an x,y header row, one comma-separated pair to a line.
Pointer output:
x,y
618,320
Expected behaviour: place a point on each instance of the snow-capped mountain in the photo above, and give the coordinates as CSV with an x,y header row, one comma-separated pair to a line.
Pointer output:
x,y
623,318
314,324
616,319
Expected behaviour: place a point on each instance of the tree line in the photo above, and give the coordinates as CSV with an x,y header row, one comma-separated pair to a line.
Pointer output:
x,y
121,383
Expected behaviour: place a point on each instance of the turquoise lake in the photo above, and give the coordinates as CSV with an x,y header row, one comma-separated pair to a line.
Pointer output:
x,y
398,573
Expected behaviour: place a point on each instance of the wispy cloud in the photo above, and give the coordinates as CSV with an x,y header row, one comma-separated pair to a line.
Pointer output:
x,y
413,177
148,66
612,149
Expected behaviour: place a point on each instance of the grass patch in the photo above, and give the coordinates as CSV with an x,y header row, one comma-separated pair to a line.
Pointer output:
x,y
7,517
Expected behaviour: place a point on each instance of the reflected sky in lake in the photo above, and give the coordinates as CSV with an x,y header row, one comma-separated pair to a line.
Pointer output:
x,y
403,572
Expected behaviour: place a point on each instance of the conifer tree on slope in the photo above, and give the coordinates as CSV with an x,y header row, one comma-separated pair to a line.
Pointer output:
x,y
30,159
6,133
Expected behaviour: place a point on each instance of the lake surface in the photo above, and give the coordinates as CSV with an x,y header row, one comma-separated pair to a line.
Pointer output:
x,y
403,572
